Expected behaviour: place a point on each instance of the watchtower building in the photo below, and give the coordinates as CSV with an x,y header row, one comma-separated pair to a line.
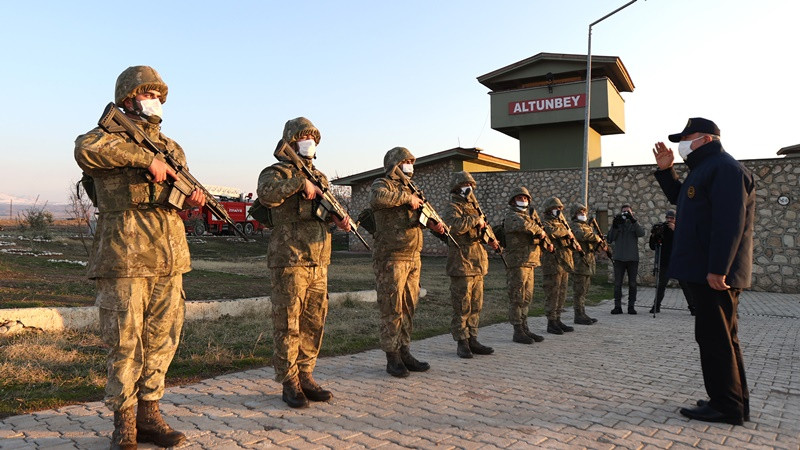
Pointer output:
x,y
541,102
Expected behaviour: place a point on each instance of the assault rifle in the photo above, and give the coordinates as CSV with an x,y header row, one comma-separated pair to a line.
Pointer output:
x,y
114,121
426,212
603,241
487,233
327,201
572,241
546,240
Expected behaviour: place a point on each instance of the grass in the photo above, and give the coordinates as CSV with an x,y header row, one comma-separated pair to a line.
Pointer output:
x,y
47,370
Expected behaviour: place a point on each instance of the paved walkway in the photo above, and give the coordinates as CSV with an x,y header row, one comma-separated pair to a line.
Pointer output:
x,y
616,384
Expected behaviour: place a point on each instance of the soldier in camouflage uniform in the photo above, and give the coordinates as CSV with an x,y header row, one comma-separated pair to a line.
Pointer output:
x,y
524,238
298,257
138,258
584,264
556,266
396,260
466,264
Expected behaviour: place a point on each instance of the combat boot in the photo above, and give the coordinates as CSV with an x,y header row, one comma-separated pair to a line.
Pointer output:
x,y
395,366
124,435
631,309
478,348
553,328
462,350
582,319
564,327
411,363
617,309
293,393
520,336
312,390
534,336
150,426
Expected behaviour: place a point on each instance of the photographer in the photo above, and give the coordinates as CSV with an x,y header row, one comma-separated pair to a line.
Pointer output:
x,y
624,237
661,240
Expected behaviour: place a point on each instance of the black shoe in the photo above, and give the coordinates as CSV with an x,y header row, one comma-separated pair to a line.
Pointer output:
x,y
478,348
631,311
520,336
564,327
708,414
616,310
411,363
691,311
582,319
293,394
463,350
553,328
531,334
312,390
395,366
652,310
746,409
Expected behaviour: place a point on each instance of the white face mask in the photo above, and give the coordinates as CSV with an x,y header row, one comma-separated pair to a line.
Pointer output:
x,y
685,147
582,217
307,148
555,212
151,107
465,190
407,169
521,205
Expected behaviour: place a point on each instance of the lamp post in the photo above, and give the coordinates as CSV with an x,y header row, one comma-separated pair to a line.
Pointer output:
x,y
589,102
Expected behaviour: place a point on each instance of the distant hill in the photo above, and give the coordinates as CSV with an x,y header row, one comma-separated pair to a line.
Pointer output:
x,y
10,206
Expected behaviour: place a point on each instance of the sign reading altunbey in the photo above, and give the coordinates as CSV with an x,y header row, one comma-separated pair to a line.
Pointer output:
x,y
547,104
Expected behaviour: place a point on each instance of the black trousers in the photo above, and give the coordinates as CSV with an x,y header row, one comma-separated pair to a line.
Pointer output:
x,y
716,332
620,269
663,279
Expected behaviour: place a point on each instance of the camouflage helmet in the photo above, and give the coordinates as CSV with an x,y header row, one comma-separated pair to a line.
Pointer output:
x,y
395,156
522,190
552,203
298,127
458,179
138,79
575,208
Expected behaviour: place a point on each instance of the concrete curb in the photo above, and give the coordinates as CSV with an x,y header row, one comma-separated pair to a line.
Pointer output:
x,y
71,318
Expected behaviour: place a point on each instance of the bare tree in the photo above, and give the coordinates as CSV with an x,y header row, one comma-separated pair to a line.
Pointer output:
x,y
35,222
343,195
81,209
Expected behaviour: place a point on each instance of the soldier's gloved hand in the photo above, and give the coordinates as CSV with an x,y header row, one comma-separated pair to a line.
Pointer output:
x,y
633,218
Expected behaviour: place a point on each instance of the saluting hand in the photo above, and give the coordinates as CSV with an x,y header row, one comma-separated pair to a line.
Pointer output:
x,y
664,156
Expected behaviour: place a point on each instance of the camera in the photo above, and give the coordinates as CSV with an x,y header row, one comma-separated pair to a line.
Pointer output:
x,y
657,232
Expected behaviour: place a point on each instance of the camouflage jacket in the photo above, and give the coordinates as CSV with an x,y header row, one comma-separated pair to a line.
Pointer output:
x,y
523,247
562,256
299,237
589,240
470,259
136,236
398,233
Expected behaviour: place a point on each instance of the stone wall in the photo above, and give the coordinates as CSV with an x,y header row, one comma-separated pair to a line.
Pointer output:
x,y
776,266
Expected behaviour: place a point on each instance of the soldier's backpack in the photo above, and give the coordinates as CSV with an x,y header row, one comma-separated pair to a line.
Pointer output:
x,y
500,233
366,220
261,213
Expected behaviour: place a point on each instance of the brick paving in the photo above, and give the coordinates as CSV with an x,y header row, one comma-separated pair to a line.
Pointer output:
x,y
616,384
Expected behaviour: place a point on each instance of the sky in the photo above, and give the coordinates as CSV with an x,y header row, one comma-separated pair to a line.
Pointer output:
x,y
373,75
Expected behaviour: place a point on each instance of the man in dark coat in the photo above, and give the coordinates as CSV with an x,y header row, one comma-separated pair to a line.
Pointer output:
x,y
713,253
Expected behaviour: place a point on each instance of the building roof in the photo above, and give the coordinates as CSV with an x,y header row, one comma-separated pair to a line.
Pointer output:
x,y
792,150
546,68
474,155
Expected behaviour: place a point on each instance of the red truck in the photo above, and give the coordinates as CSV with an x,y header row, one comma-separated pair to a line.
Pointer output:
x,y
197,221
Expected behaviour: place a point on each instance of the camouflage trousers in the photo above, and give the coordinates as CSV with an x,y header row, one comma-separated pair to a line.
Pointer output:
x,y
299,308
397,284
466,295
555,293
140,321
519,281
580,286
